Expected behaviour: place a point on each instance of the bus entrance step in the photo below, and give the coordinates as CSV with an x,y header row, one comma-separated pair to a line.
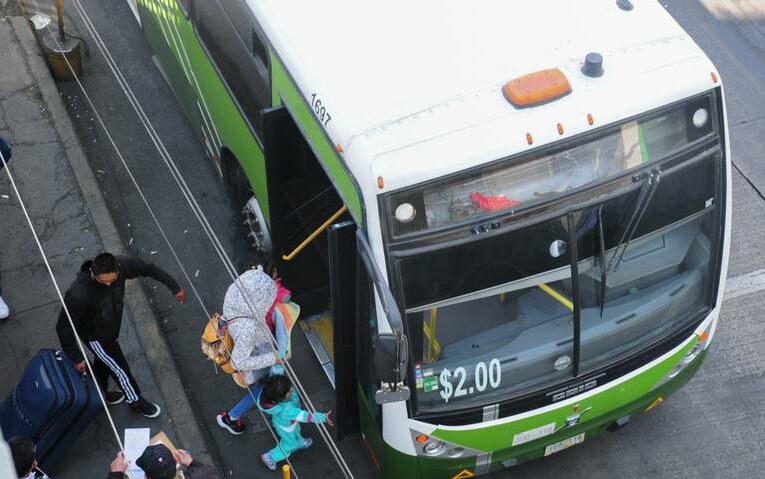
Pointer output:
x,y
318,332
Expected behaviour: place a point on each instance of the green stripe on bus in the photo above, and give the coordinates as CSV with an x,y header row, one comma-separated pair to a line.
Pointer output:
x,y
283,87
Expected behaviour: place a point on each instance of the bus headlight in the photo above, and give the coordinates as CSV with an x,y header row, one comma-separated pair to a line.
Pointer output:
x,y
700,117
455,452
675,371
405,212
426,445
434,447
688,358
692,353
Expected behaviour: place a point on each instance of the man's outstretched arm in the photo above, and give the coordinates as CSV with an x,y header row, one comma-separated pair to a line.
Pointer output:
x,y
133,267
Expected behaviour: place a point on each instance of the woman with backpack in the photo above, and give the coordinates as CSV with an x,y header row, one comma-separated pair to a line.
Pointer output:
x,y
245,307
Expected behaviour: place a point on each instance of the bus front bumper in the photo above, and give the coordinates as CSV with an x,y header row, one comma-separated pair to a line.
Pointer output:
x,y
567,437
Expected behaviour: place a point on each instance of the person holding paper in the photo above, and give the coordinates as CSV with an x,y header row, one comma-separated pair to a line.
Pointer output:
x,y
158,462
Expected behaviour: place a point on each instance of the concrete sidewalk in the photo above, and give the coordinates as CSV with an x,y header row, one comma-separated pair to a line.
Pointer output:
x,y
73,222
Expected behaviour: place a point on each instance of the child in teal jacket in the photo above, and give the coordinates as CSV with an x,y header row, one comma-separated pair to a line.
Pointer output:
x,y
278,399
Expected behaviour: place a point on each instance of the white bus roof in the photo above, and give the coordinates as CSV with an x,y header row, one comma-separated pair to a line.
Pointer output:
x,y
414,87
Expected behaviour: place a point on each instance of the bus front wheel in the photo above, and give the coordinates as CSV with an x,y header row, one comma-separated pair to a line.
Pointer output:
x,y
240,194
235,180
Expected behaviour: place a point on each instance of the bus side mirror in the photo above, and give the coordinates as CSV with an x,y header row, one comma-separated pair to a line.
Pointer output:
x,y
390,358
385,357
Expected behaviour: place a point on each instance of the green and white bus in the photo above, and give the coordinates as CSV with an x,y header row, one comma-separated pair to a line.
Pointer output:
x,y
528,206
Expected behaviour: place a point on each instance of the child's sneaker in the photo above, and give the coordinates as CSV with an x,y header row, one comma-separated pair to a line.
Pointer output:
x,y
307,442
234,427
268,461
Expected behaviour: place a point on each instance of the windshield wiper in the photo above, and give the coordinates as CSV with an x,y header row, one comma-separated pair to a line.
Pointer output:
x,y
602,261
646,193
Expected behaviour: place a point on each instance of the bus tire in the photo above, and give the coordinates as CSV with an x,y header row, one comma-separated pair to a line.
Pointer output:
x,y
240,194
235,180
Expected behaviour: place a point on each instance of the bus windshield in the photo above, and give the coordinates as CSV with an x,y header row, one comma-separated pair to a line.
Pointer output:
x,y
493,317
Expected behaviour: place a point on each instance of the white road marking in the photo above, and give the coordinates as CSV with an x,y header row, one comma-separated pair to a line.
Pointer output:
x,y
745,284
725,10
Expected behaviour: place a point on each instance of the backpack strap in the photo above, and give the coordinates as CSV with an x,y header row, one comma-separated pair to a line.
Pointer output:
x,y
225,322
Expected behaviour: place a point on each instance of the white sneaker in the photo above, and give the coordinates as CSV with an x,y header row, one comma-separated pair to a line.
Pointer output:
x,y
4,311
268,461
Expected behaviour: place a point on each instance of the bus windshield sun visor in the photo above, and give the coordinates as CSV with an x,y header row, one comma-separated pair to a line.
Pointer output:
x,y
530,179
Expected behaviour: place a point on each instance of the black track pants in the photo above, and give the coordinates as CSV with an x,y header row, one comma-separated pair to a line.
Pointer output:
x,y
110,361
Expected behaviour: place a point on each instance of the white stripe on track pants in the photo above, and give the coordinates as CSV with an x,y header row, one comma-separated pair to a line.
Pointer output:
x,y
110,361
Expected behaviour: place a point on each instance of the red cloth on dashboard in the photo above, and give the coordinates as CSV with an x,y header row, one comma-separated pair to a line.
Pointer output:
x,y
492,203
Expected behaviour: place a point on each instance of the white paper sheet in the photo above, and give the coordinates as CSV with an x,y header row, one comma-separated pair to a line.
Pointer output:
x,y
136,440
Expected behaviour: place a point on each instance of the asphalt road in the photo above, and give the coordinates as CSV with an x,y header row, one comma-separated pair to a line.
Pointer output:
x,y
714,427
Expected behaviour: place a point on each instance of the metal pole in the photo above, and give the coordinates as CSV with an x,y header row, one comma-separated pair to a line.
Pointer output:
x,y
286,472
60,12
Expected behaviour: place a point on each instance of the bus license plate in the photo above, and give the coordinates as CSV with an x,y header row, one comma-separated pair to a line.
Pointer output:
x,y
564,444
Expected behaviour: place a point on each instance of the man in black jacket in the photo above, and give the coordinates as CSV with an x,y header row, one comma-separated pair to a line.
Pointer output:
x,y
95,302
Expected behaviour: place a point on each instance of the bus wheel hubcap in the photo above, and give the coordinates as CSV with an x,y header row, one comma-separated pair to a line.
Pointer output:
x,y
256,223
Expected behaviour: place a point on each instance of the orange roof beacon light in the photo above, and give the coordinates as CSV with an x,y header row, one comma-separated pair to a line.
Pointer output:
x,y
590,119
535,88
380,182
529,139
560,128
714,77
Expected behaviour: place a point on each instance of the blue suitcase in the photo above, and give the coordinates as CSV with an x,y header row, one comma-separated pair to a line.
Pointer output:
x,y
52,405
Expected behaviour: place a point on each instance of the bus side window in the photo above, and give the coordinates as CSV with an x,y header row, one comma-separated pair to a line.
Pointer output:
x,y
228,31
250,34
259,50
366,313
